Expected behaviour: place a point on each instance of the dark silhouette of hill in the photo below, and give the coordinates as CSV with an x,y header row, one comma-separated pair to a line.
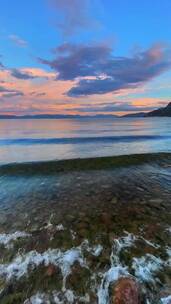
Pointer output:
x,y
166,111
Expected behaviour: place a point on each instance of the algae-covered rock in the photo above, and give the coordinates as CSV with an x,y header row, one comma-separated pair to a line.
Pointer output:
x,y
16,298
79,279
114,200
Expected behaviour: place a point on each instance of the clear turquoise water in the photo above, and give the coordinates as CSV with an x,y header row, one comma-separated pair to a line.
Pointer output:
x,y
36,140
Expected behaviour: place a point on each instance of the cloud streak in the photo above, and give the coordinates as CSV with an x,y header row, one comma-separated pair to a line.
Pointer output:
x,y
18,41
97,71
4,90
30,73
21,75
74,15
10,95
1,65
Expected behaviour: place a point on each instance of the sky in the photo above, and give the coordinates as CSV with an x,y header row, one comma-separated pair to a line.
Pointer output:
x,y
84,57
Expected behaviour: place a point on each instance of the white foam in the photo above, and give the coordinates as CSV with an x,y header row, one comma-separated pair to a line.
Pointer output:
x,y
85,299
166,300
117,269
94,250
168,251
156,246
112,275
22,263
146,267
73,234
50,226
168,229
67,260
124,242
60,227
120,244
57,298
39,298
69,296
130,239
5,239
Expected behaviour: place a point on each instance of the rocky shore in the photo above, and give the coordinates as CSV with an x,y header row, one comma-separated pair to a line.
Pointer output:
x,y
86,231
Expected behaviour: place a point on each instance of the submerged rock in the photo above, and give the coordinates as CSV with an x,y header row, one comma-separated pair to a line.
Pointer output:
x,y
3,219
106,219
114,200
51,270
125,291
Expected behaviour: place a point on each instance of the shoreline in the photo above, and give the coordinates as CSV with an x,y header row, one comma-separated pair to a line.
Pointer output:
x,y
76,229
83,164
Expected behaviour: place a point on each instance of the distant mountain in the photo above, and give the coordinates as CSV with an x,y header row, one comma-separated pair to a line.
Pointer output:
x,y
139,114
55,116
39,116
166,111
7,116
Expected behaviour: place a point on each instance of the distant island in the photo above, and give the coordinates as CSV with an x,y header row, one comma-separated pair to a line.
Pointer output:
x,y
161,112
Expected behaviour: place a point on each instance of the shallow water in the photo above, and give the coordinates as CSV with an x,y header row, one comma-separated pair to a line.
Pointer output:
x,y
36,140
68,237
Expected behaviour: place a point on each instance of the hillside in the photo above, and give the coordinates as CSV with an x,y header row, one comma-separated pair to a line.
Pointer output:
x,y
166,111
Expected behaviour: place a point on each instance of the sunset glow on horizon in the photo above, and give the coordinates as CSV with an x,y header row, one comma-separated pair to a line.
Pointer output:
x,y
80,57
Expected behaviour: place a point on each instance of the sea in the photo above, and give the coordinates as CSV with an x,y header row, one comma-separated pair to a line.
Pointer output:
x,y
28,140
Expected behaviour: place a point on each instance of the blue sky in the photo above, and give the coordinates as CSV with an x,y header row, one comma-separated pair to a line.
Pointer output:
x,y
99,37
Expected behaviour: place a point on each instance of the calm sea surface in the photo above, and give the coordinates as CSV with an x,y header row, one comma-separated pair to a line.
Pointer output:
x,y
36,140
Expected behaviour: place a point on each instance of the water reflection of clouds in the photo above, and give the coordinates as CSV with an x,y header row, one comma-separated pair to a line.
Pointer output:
x,y
82,128
29,153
